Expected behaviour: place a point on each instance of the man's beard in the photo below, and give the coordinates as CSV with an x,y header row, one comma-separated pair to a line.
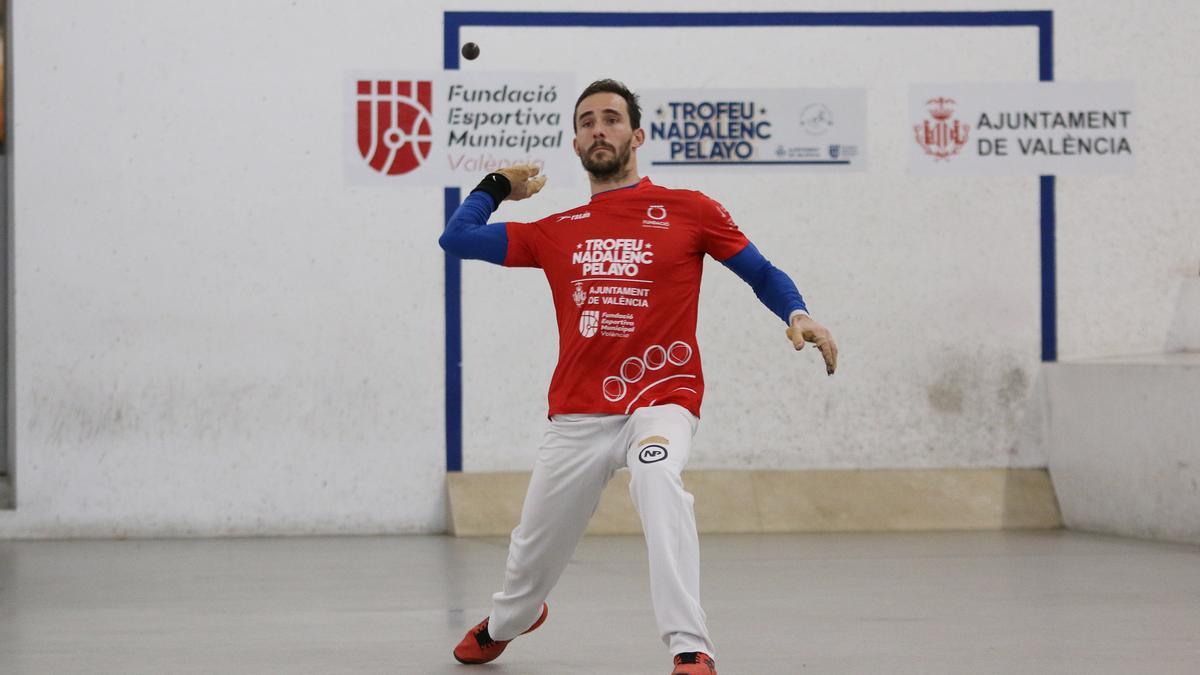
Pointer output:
x,y
610,167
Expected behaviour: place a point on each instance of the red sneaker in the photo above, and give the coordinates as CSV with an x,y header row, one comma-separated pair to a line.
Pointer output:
x,y
694,663
479,647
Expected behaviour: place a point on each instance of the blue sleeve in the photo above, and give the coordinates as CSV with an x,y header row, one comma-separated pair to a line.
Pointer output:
x,y
469,235
772,285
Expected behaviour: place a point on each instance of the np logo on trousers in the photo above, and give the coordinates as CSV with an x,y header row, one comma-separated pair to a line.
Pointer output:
x,y
652,453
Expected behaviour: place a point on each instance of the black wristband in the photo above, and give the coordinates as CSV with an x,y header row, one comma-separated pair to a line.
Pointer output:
x,y
497,186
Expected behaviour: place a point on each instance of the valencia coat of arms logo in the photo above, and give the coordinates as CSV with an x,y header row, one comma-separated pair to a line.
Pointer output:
x,y
941,136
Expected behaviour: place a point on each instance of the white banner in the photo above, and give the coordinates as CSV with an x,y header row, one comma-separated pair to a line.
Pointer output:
x,y
754,129
452,127
1021,129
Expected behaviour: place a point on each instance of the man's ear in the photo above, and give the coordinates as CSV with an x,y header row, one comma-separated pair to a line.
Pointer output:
x,y
639,137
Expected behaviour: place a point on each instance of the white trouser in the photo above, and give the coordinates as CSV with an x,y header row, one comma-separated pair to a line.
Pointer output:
x,y
578,457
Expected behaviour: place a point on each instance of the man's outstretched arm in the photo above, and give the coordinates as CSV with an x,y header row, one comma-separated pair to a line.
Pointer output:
x,y
778,292
772,286
468,234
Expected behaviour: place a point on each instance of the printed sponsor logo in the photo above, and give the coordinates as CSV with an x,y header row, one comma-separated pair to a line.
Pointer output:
x,y
755,129
394,124
1023,128
589,322
710,130
612,257
816,119
406,128
941,136
575,216
617,324
579,296
656,216
652,453
616,295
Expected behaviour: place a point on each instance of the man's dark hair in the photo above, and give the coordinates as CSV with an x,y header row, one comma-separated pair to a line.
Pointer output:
x,y
612,87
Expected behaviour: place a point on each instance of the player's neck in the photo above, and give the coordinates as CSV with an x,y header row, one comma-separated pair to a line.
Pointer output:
x,y
627,178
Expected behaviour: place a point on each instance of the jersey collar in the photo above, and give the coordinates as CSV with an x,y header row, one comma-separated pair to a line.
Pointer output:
x,y
641,184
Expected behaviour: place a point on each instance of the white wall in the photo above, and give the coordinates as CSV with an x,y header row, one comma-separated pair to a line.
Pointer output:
x,y
215,335
1124,431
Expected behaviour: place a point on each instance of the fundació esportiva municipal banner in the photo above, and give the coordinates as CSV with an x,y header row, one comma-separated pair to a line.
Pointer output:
x,y
451,127
1022,128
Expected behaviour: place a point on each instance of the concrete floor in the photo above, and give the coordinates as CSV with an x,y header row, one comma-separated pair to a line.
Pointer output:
x,y
981,602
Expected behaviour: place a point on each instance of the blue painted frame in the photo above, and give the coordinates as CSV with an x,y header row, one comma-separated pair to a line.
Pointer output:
x,y
1043,20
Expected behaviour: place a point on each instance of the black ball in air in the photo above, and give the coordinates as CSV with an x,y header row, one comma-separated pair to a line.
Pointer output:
x,y
470,51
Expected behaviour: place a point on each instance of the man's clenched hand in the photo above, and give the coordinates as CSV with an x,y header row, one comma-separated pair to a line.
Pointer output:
x,y
805,328
524,179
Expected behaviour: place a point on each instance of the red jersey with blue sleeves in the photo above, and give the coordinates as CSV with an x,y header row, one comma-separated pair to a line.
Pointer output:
x,y
626,305
624,270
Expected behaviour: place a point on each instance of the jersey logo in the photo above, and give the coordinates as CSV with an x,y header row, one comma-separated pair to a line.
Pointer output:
x,y
652,453
579,296
656,216
576,216
589,322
